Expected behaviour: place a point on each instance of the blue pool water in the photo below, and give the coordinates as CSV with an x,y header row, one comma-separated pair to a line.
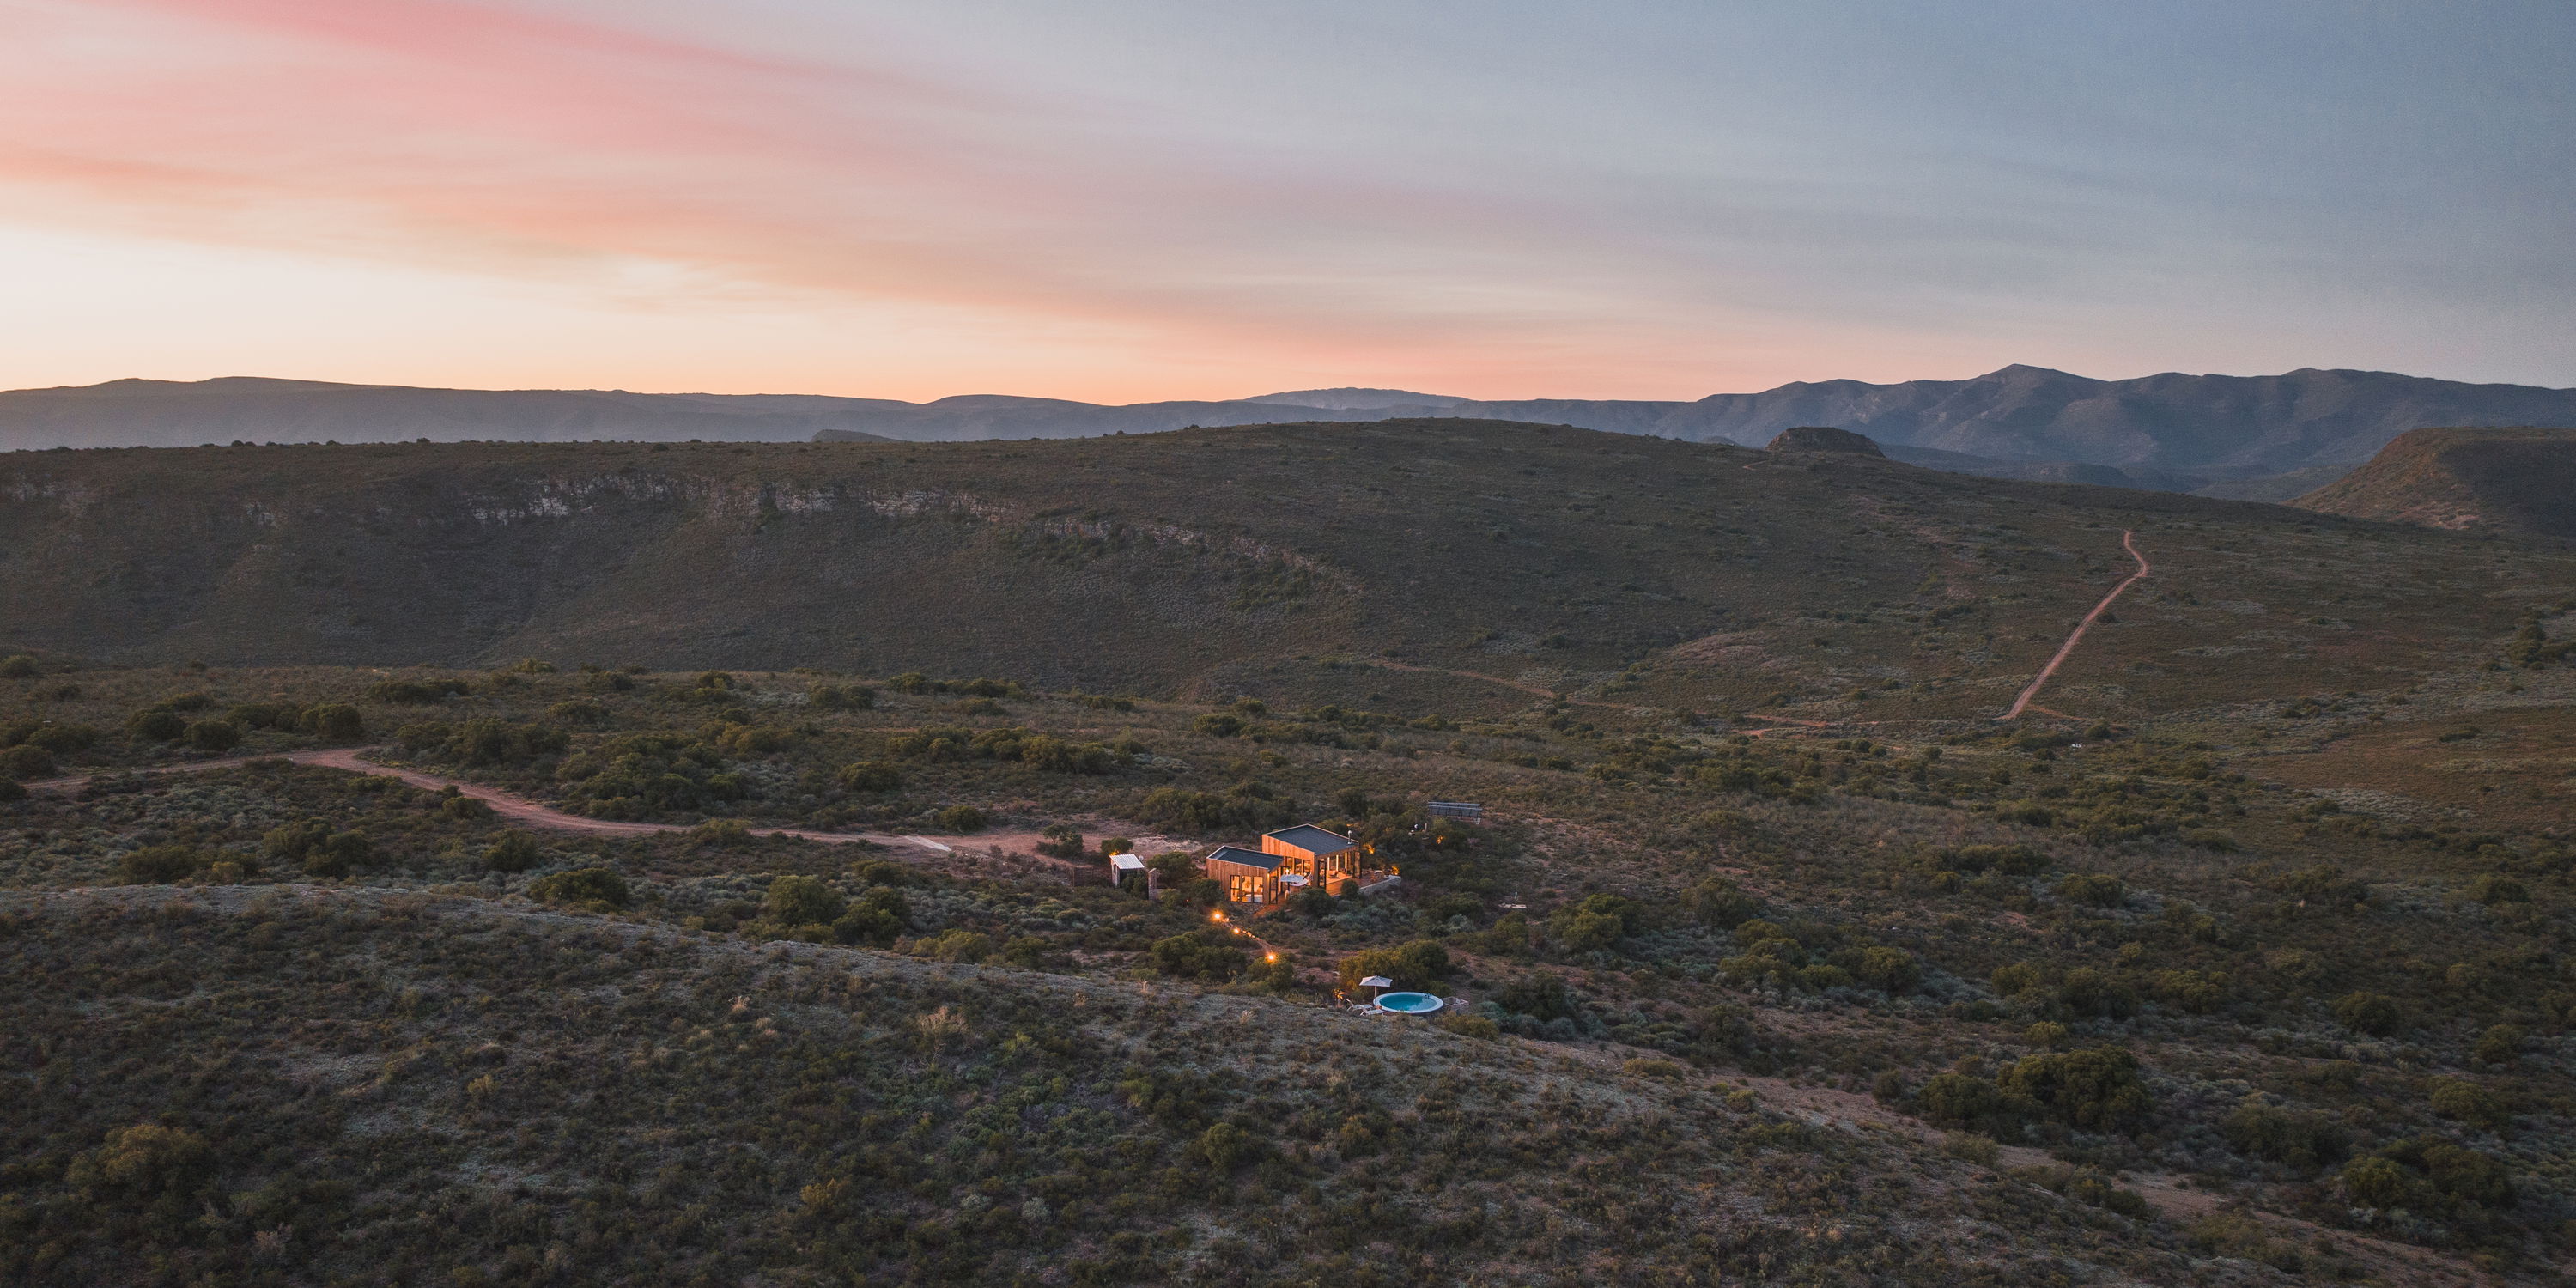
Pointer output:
x,y
1408,1003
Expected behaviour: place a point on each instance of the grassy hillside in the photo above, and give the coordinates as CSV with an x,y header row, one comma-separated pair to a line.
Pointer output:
x,y
2513,481
1777,958
1280,561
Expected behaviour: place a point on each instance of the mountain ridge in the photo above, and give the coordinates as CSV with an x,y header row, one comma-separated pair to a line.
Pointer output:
x,y
2168,431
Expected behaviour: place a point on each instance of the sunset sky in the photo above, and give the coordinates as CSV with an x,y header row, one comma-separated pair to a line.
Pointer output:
x,y
1124,200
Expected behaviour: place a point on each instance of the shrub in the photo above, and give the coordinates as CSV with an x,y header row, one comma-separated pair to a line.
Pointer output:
x,y
25,762
413,693
1206,953
2494,890
2466,1101
1218,724
144,1159
160,865
2093,888
1417,965
720,833
1061,840
1470,1026
11,790
582,887
802,901
514,852
1227,1147
2302,1140
961,819
841,697
577,710
2198,992
2095,1090
957,946
1541,995
2371,1014
871,776
2087,991
2501,1044
214,735
1892,970
1718,903
335,854
333,722
156,724
2012,860
19,666
1965,1100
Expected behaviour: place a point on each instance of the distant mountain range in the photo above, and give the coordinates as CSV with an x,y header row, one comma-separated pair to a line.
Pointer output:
x,y
2251,437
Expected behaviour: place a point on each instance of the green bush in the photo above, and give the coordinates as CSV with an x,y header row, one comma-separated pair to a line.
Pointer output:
x,y
2293,1138
414,693
1206,954
11,790
161,864
2093,888
2094,1090
26,762
513,852
1965,1100
841,697
582,887
216,736
145,1159
801,901
2371,1014
1416,965
1470,1026
156,724
2500,1044
2087,991
871,776
964,819
20,666
2466,1101
1716,902
334,722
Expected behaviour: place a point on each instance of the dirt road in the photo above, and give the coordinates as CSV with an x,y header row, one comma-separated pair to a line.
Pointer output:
x,y
2128,543
1531,689
519,809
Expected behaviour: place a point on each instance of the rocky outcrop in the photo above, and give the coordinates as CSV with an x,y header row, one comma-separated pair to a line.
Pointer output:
x,y
1823,438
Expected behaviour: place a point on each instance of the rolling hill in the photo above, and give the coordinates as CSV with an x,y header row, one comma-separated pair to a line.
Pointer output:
x,y
2486,480
1497,559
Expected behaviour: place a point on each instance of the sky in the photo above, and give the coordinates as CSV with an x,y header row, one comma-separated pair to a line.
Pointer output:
x,y
1127,200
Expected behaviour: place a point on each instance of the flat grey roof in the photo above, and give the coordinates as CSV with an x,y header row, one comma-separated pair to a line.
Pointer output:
x,y
1307,836
1248,858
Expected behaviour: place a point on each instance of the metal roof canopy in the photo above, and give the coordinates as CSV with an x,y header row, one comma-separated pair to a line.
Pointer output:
x,y
1126,863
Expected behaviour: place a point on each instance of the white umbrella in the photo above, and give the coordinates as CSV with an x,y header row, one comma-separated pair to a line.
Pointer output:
x,y
1377,981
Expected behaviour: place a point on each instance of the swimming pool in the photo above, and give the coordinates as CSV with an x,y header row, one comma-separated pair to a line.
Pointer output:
x,y
1408,1003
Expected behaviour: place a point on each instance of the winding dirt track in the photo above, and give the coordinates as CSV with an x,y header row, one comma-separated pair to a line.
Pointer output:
x,y
520,809
2023,702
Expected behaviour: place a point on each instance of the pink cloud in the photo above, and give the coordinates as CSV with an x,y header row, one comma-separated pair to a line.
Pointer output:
x,y
514,143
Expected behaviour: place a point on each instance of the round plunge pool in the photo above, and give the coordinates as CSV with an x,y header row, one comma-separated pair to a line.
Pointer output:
x,y
1408,1003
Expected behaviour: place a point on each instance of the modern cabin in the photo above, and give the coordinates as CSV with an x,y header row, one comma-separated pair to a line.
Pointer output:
x,y
1327,858
1248,877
